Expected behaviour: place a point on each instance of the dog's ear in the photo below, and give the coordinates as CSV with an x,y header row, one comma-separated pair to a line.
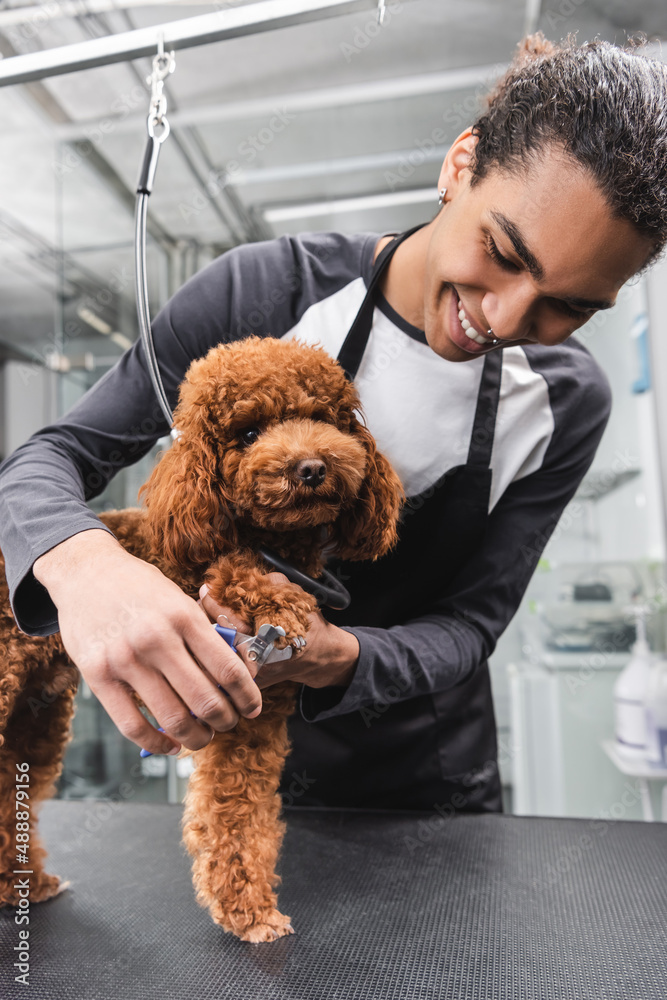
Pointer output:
x,y
368,529
188,512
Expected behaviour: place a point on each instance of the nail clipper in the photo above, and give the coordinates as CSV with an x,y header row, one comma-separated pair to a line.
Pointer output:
x,y
260,650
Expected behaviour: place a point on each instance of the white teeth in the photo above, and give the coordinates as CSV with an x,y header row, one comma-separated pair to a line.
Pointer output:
x,y
469,329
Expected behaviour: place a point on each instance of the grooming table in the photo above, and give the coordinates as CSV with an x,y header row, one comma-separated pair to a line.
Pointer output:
x,y
386,905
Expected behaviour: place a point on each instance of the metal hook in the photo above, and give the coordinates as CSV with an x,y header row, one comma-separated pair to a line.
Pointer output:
x,y
164,63
381,11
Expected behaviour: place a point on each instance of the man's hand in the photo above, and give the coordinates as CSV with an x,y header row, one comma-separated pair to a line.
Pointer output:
x,y
330,656
129,628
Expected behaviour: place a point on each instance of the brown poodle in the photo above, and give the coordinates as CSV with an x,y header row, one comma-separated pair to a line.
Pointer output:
x,y
271,453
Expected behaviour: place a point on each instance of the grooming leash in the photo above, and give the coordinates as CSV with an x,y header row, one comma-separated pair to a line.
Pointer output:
x,y
158,130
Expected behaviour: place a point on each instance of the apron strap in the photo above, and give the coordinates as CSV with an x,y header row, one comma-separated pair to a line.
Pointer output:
x,y
484,425
354,345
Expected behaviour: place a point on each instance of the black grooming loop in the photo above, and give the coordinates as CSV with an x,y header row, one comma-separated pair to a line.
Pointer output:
x,y
158,130
327,590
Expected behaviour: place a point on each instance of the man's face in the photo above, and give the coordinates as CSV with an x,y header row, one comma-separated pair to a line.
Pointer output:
x,y
531,256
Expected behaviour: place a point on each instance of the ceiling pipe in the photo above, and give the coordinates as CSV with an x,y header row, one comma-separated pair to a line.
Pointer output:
x,y
267,15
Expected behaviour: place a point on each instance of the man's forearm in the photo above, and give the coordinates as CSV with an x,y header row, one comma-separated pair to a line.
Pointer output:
x,y
57,566
419,657
41,506
342,656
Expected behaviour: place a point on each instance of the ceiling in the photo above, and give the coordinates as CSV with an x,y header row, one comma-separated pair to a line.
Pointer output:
x,y
335,124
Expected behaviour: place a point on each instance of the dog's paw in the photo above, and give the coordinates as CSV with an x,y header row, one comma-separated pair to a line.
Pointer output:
x,y
298,644
294,627
43,888
270,927
295,643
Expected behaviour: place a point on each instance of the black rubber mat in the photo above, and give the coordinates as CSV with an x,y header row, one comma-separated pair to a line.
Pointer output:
x,y
385,905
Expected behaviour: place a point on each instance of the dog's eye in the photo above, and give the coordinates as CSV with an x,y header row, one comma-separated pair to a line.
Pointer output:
x,y
249,435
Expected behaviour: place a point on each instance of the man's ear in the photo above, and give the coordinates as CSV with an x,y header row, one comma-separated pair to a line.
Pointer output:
x,y
455,170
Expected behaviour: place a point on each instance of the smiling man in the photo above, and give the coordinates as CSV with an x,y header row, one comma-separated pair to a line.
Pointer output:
x,y
457,336
526,257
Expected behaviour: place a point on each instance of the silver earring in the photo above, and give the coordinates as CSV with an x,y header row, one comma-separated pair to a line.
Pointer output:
x,y
441,198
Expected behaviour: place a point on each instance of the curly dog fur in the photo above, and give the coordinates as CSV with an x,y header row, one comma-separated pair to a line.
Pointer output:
x,y
253,417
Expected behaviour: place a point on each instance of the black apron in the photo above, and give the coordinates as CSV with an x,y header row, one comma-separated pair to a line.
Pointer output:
x,y
435,751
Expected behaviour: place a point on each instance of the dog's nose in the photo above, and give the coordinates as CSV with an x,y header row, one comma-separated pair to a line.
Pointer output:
x,y
311,471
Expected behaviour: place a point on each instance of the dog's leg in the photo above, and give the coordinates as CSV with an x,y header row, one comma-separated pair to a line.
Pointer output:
x,y
236,582
36,706
232,825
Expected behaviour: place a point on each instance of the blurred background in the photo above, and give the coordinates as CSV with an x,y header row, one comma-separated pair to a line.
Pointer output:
x,y
333,124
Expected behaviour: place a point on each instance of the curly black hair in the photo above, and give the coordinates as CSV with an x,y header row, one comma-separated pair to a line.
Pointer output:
x,y
605,106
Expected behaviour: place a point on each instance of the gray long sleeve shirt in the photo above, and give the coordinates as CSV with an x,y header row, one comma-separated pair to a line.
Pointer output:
x,y
553,407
